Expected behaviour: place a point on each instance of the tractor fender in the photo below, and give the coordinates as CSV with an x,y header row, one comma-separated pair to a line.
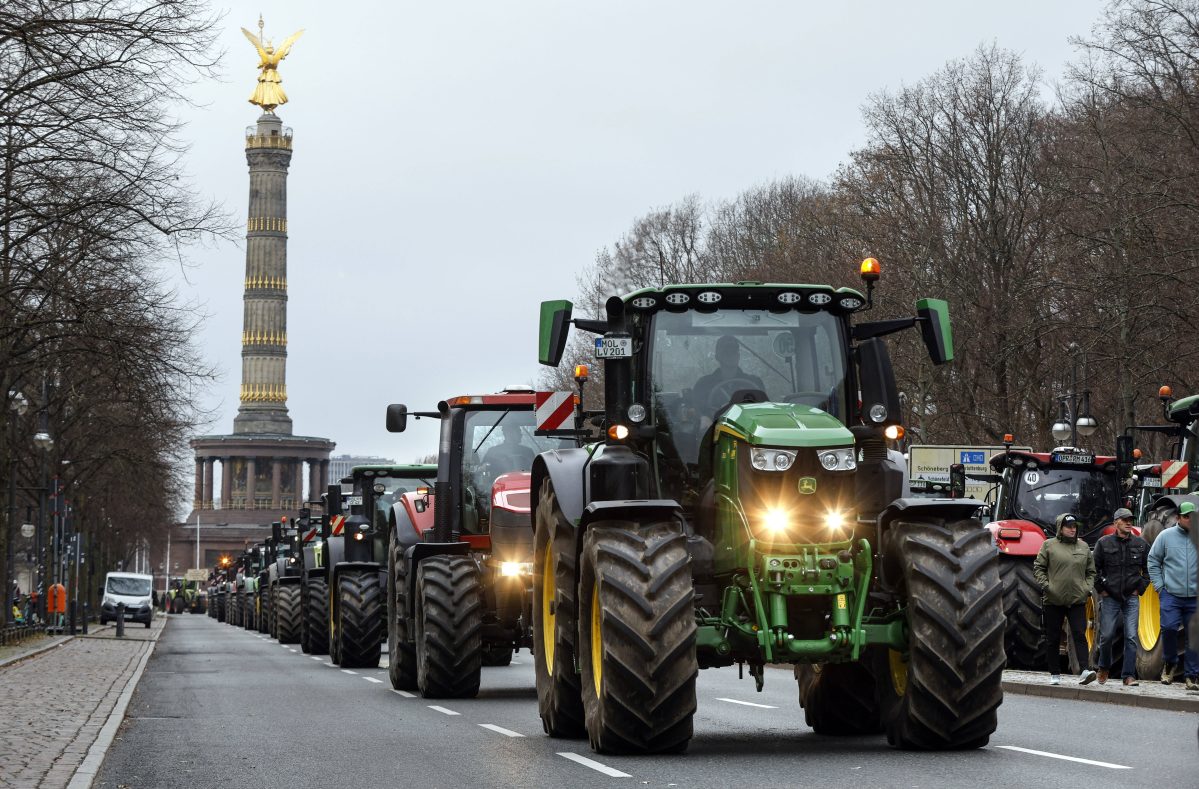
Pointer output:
x,y
948,509
416,554
566,469
1017,537
636,510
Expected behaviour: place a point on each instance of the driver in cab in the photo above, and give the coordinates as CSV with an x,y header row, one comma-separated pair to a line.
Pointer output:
x,y
727,378
509,455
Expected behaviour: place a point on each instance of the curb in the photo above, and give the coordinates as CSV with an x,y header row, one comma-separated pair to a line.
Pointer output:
x,y
1103,696
54,644
86,772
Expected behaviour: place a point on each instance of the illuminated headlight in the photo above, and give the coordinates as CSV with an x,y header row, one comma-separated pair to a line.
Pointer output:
x,y
776,520
838,459
359,535
771,459
834,520
291,560
513,569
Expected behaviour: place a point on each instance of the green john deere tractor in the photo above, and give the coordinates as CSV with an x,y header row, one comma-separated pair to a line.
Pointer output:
x,y
745,509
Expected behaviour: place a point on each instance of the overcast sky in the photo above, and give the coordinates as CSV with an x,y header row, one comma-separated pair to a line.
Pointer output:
x,y
456,163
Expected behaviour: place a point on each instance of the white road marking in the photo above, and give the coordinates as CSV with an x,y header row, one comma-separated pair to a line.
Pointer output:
x,y
443,710
290,649
1078,759
516,662
594,765
748,703
347,671
501,730
372,679
403,693
317,659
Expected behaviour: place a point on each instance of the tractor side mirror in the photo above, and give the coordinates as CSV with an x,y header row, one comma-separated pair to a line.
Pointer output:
x,y
936,329
957,481
554,328
1124,450
397,418
880,400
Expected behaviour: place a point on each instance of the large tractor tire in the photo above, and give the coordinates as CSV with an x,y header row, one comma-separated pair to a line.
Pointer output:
x,y
287,613
221,608
263,612
449,627
359,631
945,693
178,604
401,646
497,655
637,638
1023,639
555,611
315,628
839,699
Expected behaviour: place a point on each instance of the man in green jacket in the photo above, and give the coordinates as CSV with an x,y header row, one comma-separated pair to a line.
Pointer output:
x,y
1065,570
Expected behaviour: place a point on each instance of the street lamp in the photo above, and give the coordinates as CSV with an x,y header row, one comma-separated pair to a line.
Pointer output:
x,y
1074,414
17,407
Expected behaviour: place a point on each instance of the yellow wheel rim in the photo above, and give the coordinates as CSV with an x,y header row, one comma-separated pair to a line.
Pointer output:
x,y
1149,625
899,672
1092,622
597,644
549,590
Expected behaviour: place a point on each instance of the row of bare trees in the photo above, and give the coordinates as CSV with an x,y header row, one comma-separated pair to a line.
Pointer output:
x,y
93,211
1046,223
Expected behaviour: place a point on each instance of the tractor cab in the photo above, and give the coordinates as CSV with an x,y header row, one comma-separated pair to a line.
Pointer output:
x,y
374,490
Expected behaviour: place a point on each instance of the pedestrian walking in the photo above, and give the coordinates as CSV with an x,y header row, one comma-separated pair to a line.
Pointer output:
x,y
1172,566
1065,570
1121,577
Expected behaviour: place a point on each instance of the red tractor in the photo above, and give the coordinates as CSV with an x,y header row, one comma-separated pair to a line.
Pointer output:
x,y
459,581
1035,488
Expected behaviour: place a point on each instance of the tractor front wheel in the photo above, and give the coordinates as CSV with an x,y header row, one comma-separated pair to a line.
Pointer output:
x,y
359,621
839,699
287,613
449,627
316,616
637,638
497,655
559,694
401,649
944,694
1023,640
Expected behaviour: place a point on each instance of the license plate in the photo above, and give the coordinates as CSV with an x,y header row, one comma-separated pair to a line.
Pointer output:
x,y
613,347
1063,457
1151,482
354,501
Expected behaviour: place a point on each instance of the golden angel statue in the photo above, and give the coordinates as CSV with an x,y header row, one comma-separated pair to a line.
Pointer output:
x,y
269,93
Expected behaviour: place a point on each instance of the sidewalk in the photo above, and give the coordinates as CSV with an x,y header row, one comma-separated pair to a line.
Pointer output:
x,y
1150,694
57,701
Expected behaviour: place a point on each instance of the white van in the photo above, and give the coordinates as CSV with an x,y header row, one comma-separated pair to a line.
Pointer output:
x,y
134,590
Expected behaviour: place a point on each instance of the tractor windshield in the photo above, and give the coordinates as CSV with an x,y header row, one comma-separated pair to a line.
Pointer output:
x,y
699,360
1042,494
386,491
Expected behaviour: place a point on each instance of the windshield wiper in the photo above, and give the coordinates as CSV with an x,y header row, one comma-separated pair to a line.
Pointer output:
x,y
1047,485
492,430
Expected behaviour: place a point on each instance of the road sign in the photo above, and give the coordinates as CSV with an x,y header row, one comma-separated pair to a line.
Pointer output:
x,y
1174,474
196,574
932,462
554,410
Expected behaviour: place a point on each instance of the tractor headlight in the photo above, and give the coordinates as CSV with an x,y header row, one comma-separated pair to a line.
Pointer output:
x,y
776,521
772,459
838,459
835,521
514,569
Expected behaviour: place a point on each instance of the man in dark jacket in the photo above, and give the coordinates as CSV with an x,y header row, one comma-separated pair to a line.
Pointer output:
x,y
1121,577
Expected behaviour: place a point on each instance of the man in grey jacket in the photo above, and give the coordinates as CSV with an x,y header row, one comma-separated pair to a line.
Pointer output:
x,y
1172,566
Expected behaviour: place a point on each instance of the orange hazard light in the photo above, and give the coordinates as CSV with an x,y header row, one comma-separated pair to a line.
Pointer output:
x,y
1165,393
871,270
581,372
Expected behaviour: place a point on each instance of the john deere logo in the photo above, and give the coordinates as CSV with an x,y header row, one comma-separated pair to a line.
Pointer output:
x,y
807,485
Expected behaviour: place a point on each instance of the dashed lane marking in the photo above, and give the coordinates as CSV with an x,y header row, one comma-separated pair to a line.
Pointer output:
x,y
748,703
347,671
501,730
1078,759
317,659
289,649
403,693
594,765
516,662
372,679
443,710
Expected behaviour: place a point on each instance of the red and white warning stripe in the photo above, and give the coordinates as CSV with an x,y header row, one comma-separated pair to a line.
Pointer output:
x,y
337,522
554,409
310,536
1175,474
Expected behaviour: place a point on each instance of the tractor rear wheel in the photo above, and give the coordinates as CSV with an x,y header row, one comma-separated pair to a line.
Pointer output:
x,y
1023,639
177,604
637,638
839,699
401,647
945,692
221,611
449,627
270,601
559,693
316,616
287,613
359,623
497,655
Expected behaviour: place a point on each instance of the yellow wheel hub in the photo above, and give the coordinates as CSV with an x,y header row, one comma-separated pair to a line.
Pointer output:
x,y
899,672
549,590
597,643
1149,625
1092,623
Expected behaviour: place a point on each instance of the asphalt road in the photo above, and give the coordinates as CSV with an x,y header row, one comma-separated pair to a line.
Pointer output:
x,y
222,707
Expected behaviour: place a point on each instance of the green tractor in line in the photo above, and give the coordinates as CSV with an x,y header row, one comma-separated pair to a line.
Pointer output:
x,y
753,514
314,615
283,591
357,558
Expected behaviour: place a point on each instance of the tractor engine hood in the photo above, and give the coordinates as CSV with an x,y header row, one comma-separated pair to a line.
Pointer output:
x,y
783,425
511,517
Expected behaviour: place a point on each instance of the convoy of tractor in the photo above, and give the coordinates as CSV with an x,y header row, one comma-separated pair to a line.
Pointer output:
x,y
738,500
